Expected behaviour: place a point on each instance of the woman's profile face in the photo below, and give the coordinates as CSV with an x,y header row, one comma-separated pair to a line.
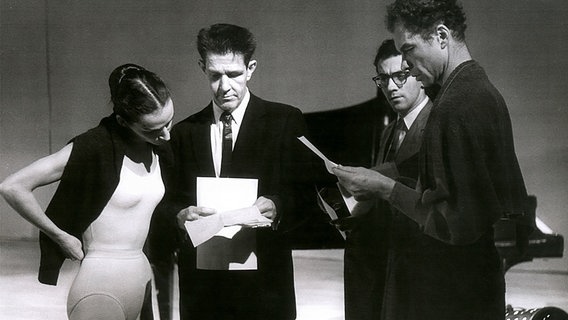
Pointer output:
x,y
155,127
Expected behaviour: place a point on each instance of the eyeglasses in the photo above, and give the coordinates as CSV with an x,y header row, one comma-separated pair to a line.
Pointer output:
x,y
399,78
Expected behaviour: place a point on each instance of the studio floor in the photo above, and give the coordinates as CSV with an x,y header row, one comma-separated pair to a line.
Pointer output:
x,y
318,274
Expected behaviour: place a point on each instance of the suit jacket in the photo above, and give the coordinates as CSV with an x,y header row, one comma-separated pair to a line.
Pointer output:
x,y
469,178
367,244
266,149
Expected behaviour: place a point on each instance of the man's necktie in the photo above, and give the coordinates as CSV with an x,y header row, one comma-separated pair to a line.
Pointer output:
x,y
398,136
227,150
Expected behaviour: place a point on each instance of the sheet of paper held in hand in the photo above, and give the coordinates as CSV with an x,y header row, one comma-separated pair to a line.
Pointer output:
x,y
328,163
355,207
218,236
330,212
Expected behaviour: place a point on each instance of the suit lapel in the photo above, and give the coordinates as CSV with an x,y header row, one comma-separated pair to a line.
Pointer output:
x,y
412,141
250,139
201,136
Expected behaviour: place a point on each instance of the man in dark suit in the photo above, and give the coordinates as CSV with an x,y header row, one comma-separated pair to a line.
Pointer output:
x,y
261,140
469,176
372,233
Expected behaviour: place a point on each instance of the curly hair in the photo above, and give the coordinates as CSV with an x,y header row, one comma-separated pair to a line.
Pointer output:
x,y
420,16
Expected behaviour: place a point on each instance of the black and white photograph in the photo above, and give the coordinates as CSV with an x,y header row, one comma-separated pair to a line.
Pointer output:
x,y
283,160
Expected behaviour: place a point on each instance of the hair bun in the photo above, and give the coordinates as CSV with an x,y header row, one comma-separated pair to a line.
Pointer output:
x,y
119,73
135,91
127,69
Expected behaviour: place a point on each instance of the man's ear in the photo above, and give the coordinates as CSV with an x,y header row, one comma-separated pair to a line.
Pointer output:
x,y
201,65
121,121
443,35
250,68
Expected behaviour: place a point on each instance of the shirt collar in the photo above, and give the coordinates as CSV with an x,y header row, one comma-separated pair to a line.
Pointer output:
x,y
238,114
412,115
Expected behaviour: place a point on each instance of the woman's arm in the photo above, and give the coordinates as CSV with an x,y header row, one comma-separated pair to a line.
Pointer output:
x,y
18,188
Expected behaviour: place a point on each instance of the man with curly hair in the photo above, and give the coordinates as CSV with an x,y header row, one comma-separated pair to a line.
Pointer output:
x,y
469,176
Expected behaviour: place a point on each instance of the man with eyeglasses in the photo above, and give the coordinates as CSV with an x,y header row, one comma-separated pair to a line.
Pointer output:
x,y
370,233
469,176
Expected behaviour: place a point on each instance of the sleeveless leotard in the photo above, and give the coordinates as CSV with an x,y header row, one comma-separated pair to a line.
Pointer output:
x,y
112,280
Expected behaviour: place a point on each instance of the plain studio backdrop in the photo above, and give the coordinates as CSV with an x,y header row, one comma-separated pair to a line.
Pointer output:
x,y
55,58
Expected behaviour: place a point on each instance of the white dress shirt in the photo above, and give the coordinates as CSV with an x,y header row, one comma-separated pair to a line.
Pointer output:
x,y
410,118
217,130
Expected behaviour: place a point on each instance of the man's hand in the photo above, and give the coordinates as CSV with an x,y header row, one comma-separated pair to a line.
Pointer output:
x,y
348,223
364,184
192,213
345,223
266,207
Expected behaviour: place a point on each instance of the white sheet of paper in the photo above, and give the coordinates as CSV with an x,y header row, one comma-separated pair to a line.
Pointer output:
x,y
350,201
228,232
355,207
233,198
203,229
330,212
225,224
225,194
220,194
328,163
249,264
249,217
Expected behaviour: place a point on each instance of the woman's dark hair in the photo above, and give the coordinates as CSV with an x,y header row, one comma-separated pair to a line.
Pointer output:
x,y
136,91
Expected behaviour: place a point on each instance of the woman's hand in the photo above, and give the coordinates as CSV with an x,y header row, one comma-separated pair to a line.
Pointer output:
x,y
71,246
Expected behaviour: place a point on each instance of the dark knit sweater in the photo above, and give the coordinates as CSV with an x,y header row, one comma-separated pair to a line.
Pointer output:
x,y
470,176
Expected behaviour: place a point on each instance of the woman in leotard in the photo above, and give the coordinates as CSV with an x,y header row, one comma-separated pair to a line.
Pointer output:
x,y
109,184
